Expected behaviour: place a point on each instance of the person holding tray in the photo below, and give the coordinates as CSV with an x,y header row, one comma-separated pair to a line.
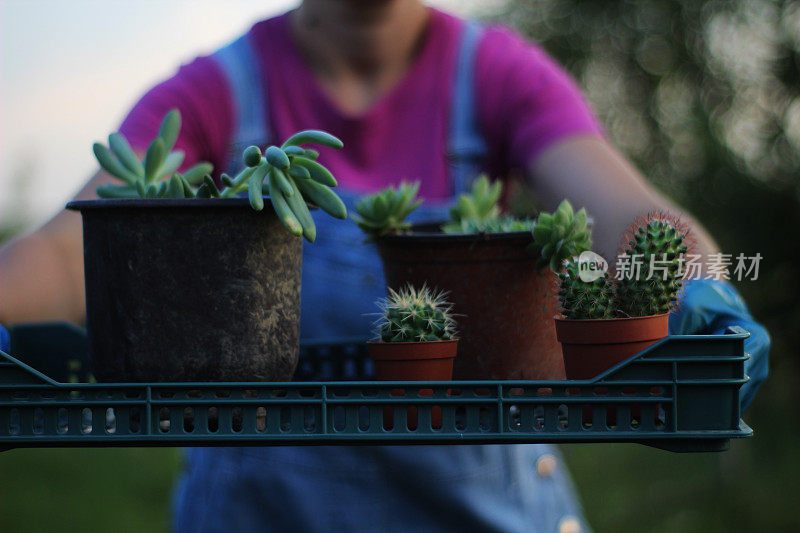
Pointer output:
x,y
414,93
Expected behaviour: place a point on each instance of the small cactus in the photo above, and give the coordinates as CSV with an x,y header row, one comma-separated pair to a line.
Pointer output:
x,y
581,299
560,236
415,315
657,242
384,212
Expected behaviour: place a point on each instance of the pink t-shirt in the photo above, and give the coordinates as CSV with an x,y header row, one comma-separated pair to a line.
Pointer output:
x,y
525,102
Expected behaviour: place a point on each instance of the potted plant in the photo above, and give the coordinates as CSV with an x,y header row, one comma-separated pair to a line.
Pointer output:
x,y
417,343
482,259
188,280
604,321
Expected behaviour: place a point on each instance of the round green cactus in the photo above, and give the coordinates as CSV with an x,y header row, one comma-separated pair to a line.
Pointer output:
x,y
656,244
581,299
560,236
415,315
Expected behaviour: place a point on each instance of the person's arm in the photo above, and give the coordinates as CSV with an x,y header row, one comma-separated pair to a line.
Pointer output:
x,y
41,274
590,173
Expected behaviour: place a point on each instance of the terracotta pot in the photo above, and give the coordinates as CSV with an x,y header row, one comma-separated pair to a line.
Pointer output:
x,y
413,361
591,347
504,305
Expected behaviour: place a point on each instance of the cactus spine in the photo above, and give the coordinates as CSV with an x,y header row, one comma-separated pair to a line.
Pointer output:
x,y
657,245
581,299
415,315
647,283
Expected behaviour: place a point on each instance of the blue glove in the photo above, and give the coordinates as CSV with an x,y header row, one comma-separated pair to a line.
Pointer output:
x,y
710,307
5,340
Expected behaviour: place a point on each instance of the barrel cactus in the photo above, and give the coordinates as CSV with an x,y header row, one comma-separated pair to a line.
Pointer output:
x,y
415,315
657,243
581,299
290,174
560,236
384,212
649,276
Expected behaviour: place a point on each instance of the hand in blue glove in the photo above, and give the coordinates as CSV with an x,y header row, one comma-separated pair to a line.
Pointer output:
x,y
710,307
5,340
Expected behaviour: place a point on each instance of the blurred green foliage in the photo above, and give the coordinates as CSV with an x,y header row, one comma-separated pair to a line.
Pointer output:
x,y
704,96
87,489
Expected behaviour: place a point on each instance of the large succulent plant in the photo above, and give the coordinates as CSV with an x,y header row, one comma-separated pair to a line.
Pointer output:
x,y
384,212
560,236
415,315
145,178
290,174
479,211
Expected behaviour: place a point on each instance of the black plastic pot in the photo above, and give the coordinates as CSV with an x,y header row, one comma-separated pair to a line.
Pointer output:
x,y
504,305
190,290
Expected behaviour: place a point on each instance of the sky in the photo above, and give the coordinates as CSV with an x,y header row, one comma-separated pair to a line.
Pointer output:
x,y
70,70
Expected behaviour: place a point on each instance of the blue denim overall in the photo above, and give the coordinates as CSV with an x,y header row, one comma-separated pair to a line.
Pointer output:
x,y
367,488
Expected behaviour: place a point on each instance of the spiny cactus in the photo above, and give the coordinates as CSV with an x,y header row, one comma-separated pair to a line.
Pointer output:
x,y
581,299
656,243
560,236
384,212
415,315
648,278
289,173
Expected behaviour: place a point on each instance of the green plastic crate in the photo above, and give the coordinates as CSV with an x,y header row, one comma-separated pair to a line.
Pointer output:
x,y
681,394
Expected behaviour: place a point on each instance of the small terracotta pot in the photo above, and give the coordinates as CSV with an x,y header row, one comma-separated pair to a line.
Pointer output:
x,y
591,347
413,361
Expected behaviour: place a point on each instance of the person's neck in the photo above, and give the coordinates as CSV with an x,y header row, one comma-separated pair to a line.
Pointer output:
x,y
358,49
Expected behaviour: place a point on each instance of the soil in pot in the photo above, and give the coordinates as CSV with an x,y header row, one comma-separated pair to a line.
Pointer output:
x,y
413,361
190,290
505,303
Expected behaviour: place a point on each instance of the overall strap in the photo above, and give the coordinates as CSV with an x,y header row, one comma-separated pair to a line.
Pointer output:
x,y
239,62
467,148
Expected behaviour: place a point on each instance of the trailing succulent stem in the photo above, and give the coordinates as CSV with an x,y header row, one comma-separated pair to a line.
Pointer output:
x,y
155,175
384,212
415,315
479,211
560,236
290,174
651,274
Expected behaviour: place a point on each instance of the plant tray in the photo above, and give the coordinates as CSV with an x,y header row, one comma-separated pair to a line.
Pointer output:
x,y
681,394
